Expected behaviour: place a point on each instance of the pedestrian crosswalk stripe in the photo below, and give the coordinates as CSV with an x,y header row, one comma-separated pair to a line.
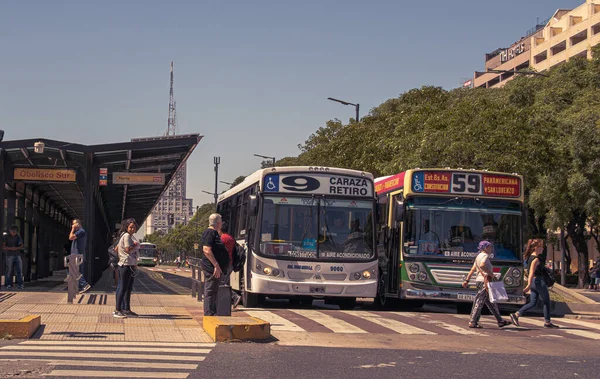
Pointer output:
x,y
113,364
590,325
575,332
396,326
277,322
186,358
331,323
112,348
118,374
119,343
453,328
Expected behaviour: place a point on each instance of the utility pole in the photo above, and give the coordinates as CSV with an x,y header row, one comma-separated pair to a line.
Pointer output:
x,y
563,261
217,161
171,123
356,106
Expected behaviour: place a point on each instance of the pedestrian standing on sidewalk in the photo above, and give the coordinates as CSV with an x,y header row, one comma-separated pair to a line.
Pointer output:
x,y
485,274
78,238
128,248
536,262
595,276
214,261
229,243
12,246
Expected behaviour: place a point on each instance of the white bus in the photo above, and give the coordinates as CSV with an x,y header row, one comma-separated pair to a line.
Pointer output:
x,y
148,255
308,233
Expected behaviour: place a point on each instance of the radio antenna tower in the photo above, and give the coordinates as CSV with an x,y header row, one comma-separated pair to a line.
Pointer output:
x,y
172,122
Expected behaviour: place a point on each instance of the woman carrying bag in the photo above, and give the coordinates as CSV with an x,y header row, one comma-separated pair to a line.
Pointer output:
x,y
536,283
485,274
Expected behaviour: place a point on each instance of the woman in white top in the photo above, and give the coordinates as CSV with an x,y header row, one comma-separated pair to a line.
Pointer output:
x,y
128,249
485,274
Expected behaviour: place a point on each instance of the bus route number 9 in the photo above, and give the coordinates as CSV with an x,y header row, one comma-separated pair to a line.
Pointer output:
x,y
466,183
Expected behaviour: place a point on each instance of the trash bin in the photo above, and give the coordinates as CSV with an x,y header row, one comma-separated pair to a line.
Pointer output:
x,y
224,300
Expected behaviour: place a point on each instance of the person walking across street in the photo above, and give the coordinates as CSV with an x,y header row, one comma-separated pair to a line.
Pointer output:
x,y
12,246
229,243
214,261
485,274
536,262
128,248
78,238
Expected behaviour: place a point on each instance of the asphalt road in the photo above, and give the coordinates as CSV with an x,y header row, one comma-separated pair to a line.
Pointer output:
x,y
243,360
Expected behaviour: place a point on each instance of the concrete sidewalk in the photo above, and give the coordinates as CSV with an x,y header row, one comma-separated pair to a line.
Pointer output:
x,y
164,317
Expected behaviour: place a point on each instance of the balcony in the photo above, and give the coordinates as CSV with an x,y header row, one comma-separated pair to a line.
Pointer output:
x,y
558,48
578,38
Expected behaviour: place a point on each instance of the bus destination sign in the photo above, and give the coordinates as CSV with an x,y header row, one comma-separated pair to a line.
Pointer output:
x,y
323,184
466,183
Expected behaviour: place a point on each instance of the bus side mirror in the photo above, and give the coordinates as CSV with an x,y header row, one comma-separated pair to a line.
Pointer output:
x,y
398,210
253,205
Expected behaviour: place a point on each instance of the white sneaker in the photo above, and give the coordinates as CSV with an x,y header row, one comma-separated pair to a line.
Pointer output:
x,y
85,289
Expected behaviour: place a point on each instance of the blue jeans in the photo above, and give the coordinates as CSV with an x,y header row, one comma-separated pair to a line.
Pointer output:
x,y
539,289
124,288
18,263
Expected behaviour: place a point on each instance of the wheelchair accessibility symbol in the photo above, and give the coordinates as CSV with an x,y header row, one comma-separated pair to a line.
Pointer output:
x,y
272,183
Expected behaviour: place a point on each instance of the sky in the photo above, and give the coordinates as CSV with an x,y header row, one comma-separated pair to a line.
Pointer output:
x,y
252,77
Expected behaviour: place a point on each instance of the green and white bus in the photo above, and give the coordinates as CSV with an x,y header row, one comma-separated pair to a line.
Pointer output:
x,y
430,223
308,232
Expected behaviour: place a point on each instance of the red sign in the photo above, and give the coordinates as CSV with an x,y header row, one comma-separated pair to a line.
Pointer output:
x,y
501,185
103,171
438,182
389,183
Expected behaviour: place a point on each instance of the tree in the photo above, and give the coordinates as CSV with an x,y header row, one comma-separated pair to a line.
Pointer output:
x,y
237,181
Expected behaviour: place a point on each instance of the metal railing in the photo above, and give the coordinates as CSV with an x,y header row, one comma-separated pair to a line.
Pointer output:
x,y
197,278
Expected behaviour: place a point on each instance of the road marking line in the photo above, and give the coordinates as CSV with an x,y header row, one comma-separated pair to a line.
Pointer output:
x,y
186,358
579,333
114,364
397,326
277,322
586,324
118,343
133,349
117,374
454,328
331,323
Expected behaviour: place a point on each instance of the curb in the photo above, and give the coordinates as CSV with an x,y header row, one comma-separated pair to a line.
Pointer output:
x,y
583,316
23,328
228,328
567,292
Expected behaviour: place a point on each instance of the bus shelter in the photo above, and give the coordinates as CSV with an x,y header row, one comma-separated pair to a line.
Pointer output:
x,y
45,184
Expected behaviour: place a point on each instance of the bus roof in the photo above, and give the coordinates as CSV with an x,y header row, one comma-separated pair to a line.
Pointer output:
x,y
256,177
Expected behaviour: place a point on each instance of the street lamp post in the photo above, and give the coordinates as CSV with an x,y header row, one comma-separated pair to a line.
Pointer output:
x,y
356,106
266,157
224,182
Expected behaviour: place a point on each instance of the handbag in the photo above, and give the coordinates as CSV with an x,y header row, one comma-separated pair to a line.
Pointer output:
x,y
497,292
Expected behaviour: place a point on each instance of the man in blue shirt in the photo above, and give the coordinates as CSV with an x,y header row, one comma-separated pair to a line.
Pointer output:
x,y
12,246
79,238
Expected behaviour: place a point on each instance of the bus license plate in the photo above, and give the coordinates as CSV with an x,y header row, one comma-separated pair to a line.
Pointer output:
x,y
462,296
316,289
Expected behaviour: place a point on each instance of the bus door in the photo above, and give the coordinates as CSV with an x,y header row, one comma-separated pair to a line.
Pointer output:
x,y
395,244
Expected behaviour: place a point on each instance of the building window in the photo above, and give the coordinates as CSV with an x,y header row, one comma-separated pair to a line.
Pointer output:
x,y
558,48
578,38
596,29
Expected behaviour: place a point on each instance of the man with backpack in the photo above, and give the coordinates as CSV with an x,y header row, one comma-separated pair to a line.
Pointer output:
x,y
231,247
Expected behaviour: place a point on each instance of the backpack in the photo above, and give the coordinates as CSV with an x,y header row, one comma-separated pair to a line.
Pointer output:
x,y
239,257
113,253
548,277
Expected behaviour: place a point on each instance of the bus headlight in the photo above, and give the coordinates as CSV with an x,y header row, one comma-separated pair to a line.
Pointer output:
x,y
517,282
422,276
516,273
275,272
508,280
414,268
366,274
357,276
267,270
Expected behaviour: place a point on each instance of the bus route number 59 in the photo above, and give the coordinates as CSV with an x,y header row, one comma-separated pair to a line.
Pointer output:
x,y
466,183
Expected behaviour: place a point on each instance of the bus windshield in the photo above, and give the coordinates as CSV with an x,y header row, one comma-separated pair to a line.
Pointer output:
x,y
453,228
316,228
148,252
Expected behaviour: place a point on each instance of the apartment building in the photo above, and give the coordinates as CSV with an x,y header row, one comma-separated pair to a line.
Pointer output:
x,y
568,33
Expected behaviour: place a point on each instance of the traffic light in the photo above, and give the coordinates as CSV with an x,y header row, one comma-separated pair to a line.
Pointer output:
x,y
171,219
